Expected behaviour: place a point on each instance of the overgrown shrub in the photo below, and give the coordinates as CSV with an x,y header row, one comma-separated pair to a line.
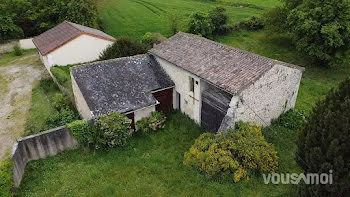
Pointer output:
x,y
17,50
61,118
6,181
292,119
153,123
252,24
81,131
123,47
219,19
60,101
61,73
150,39
110,131
200,23
275,19
173,20
235,153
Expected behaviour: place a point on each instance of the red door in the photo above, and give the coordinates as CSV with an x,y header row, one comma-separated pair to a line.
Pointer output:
x,y
165,99
132,118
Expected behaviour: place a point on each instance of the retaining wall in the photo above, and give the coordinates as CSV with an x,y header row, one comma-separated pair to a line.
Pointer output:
x,y
39,146
24,44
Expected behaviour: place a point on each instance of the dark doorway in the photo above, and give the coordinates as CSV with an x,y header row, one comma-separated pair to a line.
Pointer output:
x,y
165,99
178,100
131,117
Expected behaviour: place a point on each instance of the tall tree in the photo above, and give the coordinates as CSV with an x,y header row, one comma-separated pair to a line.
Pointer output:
x,y
320,28
324,144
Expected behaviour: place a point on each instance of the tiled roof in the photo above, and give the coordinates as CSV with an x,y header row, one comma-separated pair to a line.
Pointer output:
x,y
226,67
63,33
123,84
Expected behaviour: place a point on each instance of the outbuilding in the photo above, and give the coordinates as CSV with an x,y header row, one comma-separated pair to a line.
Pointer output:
x,y
134,86
70,43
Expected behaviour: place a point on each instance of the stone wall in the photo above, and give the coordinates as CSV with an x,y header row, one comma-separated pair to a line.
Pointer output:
x,y
270,96
39,146
24,44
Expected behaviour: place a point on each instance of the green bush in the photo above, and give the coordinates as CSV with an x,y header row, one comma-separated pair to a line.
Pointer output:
x,y
60,101
219,19
292,119
275,19
61,118
6,181
61,73
235,153
81,131
123,47
153,123
17,50
150,39
200,23
110,131
252,24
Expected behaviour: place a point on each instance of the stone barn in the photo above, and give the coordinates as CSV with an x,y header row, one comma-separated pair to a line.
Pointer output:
x,y
214,84
134,86
218,85
70,43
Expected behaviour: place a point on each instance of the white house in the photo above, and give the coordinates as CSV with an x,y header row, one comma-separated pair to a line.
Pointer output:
x,y
214,84
70,43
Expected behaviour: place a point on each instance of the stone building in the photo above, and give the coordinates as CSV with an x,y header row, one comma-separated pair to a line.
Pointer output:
x,y
214,84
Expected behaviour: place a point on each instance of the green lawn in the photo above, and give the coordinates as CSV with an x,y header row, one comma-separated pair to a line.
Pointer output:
x,y
134,18
6,58
150,166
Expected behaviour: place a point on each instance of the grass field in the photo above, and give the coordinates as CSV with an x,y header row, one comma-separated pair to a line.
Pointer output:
x,y
150,166
6,58
134,18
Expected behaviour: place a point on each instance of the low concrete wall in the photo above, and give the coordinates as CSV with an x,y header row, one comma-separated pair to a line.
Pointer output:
x,y
39,146
24,44
8,46
27,44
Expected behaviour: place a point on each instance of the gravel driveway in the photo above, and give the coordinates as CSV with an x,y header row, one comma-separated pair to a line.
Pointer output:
x,y
16,82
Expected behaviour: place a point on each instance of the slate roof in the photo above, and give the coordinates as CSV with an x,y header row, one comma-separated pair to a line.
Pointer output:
x,y
226,67
123,84
63,33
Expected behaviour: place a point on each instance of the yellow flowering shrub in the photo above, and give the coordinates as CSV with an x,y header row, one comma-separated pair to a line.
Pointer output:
x,y
235,153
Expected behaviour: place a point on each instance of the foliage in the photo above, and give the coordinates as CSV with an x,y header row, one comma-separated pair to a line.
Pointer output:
x,y
173,22
237,152
292,119
150,165
219,19
153,123
60,74
6,181
123,47
34,17
61,118
17,50
324,143
252,24
321,30
275,19
201,24
81,131
8,29
50,108
151,39
110,131
60,101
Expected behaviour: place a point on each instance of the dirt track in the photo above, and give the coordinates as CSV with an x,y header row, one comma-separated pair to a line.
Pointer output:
x,y
16,82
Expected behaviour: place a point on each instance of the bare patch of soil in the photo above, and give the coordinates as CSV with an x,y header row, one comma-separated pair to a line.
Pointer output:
x,y
16,83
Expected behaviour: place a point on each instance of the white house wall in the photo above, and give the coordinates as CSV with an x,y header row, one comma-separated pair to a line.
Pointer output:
x,y
190,101
80,102
274,93
82,49
144,112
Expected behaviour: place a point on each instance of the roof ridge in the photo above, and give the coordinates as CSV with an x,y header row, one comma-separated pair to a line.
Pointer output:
x,y
70,23
107,61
